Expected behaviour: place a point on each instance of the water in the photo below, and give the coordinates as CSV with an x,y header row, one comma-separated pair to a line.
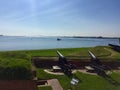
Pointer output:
x,y
30,43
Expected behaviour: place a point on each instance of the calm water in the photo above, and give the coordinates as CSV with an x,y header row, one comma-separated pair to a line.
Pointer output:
x,y
29,43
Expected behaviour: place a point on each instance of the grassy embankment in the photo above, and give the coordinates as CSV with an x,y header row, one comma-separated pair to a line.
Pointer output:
x,y
75,53
14,66
88,82
104,53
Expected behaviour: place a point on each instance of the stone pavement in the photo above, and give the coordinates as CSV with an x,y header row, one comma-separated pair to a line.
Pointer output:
x,y
54,83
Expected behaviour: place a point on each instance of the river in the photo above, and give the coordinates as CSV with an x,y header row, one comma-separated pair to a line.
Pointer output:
x,y
8,43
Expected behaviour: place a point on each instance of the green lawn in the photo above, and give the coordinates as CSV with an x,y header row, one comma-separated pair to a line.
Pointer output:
x,y
87,82
45,88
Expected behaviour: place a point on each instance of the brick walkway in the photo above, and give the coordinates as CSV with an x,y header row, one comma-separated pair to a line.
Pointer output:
x,y
54,83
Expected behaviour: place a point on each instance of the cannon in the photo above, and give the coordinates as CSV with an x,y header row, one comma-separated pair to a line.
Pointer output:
x,y
64,64
97,65
115,47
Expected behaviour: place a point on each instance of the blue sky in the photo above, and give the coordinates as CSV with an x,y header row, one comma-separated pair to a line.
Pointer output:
x,y
60,17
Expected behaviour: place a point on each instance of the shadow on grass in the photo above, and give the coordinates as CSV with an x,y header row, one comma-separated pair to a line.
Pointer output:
x,y
110,79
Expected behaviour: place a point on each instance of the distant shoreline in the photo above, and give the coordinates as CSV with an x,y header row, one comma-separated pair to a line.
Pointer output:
x,y
98,37
92,37
1,35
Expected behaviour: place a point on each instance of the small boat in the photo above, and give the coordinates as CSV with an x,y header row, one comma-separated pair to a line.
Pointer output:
x,y
58,39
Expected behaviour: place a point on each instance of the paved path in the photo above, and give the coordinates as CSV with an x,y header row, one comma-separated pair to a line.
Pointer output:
x,y
54,83
73,71
55,73
84,71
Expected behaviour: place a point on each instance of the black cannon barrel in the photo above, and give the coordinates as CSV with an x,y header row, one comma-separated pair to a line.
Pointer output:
x,y
60,55
94,59
62,59
92,55
115,47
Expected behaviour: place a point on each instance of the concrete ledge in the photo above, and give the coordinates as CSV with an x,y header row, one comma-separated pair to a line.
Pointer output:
x,y
56,69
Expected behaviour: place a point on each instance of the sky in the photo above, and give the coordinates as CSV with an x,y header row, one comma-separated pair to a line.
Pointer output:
x,y
60,17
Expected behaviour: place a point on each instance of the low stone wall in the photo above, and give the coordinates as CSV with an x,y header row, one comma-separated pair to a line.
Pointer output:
x,y
18,85
42,63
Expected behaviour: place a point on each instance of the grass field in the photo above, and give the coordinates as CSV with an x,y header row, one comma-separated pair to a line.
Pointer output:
x,y
100,51
87,82
45,88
